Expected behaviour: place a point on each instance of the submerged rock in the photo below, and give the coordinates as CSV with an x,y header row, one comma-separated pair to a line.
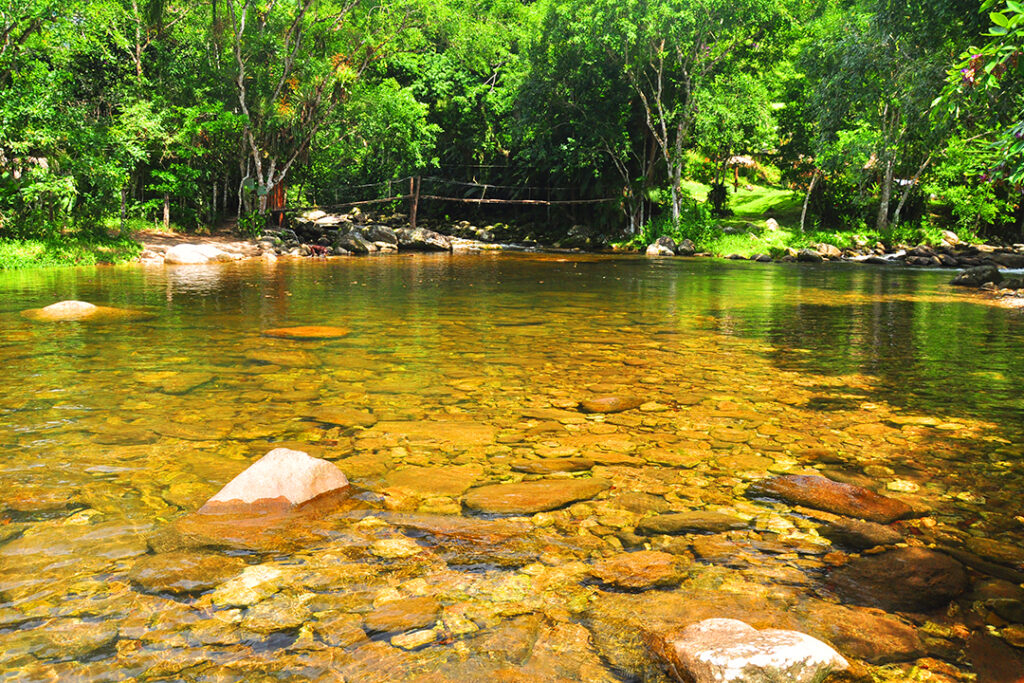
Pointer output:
x,y
859,534
82,311
905,579
289,358
689,522
280,479
832,496
552,465
306,332
725,650
528,497
642,569
403,615
254,584
610,404
184,572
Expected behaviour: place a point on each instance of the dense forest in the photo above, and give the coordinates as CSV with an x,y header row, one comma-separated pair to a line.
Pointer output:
x,y
878,113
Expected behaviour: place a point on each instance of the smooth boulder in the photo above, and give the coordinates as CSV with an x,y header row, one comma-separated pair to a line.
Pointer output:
x,y
282,478
663,246
421,239
821,493
81,311
978,276
610,404
726,650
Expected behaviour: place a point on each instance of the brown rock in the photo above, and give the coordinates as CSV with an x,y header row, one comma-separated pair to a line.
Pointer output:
x,y
610,404
457,433
859,534
698,521
450,481
306,332
403,615
906,579
642,569
538,495
825,494
552,465
343,417
996,551
863,633
184,572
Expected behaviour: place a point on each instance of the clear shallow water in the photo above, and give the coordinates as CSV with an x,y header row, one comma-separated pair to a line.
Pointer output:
x,y
110,434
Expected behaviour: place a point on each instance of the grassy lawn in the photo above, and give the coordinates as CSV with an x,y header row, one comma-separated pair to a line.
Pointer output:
x,y
16,254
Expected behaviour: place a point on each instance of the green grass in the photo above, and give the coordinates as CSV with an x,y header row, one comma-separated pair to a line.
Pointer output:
x,y
16,254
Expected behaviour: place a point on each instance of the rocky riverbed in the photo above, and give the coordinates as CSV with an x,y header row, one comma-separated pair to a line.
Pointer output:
x,y
532,497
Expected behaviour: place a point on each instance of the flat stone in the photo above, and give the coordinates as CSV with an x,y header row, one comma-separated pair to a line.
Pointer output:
x,y
453,432
279,613
552,465
184,572
833,496
996,551
642,569
453,480
307,332
528,497
281,478
727,650
403,615
690,522
254,584
343,417
859,534
290,358
183,382
610,404
904,579
395,548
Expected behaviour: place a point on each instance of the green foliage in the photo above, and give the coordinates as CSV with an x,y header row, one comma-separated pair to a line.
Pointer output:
x,y
17,254
251,224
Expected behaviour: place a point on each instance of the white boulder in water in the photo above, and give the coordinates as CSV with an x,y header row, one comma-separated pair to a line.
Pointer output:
x,y
728,650
82,311
282,478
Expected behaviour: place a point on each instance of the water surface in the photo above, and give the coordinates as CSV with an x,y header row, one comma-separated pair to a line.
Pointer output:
x,y
112,433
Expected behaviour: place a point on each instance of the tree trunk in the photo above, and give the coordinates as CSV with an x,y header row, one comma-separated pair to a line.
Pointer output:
x,y
124,209
167,211
883,205
213,205
807,198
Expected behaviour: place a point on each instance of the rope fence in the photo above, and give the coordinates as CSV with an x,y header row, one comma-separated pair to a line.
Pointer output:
x,y
472,193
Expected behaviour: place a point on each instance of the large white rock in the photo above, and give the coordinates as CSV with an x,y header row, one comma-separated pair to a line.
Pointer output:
x,y
195,254
280,478
68,310
727,650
